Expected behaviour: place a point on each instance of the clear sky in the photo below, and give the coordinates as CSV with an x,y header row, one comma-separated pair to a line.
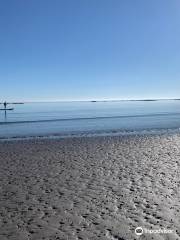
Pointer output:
x,y
89,49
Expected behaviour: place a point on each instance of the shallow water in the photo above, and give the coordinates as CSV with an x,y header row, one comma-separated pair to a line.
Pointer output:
x,y
41,119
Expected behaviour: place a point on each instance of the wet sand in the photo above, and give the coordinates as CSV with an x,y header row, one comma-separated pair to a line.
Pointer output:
x,y
90,188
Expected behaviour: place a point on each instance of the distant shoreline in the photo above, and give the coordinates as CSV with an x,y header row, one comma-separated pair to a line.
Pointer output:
x,y
110,100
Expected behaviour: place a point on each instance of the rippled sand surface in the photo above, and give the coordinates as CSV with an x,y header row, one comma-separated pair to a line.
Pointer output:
x,y
90,188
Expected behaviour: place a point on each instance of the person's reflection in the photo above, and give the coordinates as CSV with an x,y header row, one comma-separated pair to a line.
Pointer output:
x,y
5,116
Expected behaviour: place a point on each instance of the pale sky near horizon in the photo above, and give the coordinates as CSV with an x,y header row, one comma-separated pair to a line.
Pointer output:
x,y
89,49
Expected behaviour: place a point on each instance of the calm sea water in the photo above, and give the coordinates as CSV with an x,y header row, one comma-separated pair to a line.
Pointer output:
x,y
67,118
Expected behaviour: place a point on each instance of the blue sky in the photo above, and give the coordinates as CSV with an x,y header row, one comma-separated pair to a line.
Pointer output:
x,y
89,49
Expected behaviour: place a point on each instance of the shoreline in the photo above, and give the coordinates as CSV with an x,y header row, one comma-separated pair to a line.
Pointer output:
x,y
90,188
89,134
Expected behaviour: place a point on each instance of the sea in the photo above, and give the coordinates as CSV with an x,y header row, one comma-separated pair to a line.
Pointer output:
x,y
89,118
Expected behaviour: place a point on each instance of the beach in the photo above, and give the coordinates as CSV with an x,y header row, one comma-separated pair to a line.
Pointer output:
x,y
90,188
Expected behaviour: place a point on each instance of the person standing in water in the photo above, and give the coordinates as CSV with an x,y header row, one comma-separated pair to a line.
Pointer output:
x,y
5,104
